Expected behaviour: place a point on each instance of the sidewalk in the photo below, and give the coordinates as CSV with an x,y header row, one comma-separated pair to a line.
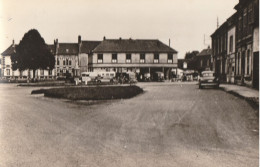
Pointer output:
x,y
248,94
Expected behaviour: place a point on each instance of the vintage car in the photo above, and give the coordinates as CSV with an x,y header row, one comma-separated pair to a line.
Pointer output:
x,y
158,76
208,79
105,77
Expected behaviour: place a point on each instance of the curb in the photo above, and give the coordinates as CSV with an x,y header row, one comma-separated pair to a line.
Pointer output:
x,y
253,101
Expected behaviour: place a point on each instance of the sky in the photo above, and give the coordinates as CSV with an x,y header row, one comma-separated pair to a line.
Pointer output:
x,y
185,22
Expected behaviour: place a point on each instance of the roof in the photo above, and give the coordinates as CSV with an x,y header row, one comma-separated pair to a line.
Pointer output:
x,y
130,45
221,29
205,52
10,50
68,49
51,48
88,46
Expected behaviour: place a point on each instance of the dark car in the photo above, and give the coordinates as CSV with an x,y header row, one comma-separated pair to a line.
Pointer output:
x,y
208,79
158,76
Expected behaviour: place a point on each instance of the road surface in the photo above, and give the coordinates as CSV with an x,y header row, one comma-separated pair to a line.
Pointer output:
x,y
167,125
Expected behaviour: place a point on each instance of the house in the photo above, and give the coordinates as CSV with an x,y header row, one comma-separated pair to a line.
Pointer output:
x,y
219,51
72,58
7,71
247,56
139,56
231,48
204,60
238,62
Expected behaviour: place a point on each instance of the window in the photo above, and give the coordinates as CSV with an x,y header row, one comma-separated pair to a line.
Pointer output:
x,y
142,58
238,63
58,62
170,57
64,62
114,58
250,13
245,20
69,62
100,58
7,71
248,62
231,44
128,58
50,72
156,58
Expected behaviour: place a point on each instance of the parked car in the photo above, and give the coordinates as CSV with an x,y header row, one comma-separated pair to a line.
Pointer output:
x,y
208,78
147,77
158,76
105,77
85,77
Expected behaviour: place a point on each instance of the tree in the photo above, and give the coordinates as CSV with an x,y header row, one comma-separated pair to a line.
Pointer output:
x,y
32,53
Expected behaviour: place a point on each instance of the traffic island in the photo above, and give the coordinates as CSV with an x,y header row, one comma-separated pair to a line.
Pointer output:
x,y
91,93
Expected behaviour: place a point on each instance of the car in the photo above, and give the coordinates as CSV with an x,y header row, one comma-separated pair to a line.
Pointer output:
x,y
208,78
105,77
158,76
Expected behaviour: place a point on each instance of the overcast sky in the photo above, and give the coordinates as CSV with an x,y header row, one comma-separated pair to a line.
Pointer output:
x,y
185,22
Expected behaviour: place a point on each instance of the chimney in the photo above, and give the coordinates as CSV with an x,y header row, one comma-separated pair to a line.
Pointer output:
x,y
79,43
13,43
57,43
104,38
120,38
169,42
79,39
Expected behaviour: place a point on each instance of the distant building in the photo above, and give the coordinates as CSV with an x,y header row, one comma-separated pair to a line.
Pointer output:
x,y
204,60
219,50
119,55
72,58
139,56
7,71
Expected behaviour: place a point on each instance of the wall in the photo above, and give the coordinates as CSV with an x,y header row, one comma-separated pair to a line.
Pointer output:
x,y
256,40
83,62
135,58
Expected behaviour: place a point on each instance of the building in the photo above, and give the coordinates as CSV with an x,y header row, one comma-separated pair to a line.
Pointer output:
x,y
70,60
119,55
7,71
139,56
247,28
237,60
219,51
204,60
231,48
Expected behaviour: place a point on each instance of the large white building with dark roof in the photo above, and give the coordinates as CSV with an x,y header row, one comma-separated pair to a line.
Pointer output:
x,y
139,56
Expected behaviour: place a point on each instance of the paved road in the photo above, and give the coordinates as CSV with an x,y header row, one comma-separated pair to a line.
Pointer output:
x,y
168,125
